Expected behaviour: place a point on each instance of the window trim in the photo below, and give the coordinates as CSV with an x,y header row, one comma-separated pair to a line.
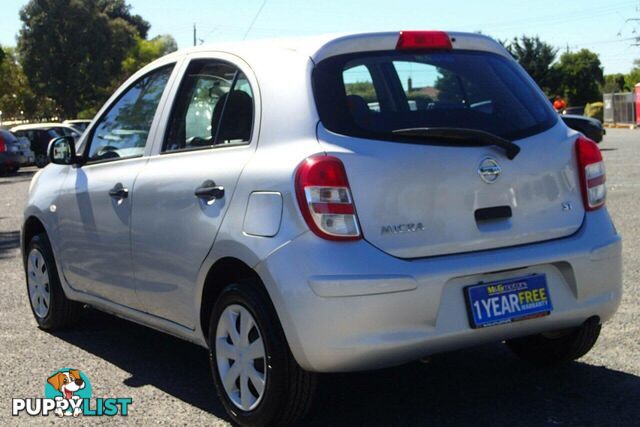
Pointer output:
x,y
107,110
173,106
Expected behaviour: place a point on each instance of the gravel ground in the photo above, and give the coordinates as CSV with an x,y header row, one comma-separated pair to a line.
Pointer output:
x,y
170,383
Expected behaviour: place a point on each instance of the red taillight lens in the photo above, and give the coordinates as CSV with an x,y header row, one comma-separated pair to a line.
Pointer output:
x,y
325,198
592,173
410,40
3,145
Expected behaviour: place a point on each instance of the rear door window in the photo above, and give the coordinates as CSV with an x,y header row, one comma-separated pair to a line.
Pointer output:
x,y
373,94
214,107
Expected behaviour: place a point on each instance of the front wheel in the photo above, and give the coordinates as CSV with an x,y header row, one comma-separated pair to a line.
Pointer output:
x,y
555,348
256,376
50,306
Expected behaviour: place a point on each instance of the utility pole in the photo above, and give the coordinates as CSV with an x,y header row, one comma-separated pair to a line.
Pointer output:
x,y
194,34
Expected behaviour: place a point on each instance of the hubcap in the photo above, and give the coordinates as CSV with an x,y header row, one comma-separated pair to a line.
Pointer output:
x,y
38,283
241,357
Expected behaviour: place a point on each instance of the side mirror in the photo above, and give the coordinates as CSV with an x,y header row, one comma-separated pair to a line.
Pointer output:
x,y
62,151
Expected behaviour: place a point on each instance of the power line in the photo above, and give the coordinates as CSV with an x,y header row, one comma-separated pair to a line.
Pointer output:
x,y
254,19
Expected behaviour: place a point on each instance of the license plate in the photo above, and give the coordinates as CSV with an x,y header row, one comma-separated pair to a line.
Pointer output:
x,y
506,301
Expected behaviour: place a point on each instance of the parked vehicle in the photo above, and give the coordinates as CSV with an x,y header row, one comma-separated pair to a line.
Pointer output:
x,y
10,155
590,127
40,134
19,145
27,156
285,225
80,124
579,111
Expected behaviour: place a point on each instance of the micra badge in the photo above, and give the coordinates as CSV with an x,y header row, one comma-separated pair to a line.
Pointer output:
x,y
402,228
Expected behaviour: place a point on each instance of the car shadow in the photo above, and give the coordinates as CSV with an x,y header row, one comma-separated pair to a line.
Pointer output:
x,y
149,356
608,149
9,240
480,386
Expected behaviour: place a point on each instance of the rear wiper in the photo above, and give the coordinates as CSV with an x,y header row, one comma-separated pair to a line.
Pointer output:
x,y
473,136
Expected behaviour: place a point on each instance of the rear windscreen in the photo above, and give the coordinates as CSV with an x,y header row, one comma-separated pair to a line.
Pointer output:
x,y
372,94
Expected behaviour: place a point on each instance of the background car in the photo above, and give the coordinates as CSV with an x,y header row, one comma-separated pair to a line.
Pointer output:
x,y
590,127
80,124
9,153
27,156
574,110
40,134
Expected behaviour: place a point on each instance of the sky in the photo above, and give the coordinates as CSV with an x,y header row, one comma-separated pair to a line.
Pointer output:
x,y
605,27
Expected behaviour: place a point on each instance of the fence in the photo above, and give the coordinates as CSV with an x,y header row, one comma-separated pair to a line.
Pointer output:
x,y
619,108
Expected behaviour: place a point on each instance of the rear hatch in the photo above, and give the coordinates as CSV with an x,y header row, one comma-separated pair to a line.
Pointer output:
x,y
422,193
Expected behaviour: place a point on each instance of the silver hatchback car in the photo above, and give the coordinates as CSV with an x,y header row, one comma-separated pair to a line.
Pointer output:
x,y
328,204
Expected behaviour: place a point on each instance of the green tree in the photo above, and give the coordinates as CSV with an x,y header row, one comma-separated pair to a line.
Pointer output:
x,y
115,9
15,92
633,77
146,51
72,50
536,57
580,76
614,83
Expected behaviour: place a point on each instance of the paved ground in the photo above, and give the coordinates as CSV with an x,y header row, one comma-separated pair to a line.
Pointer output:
x,y
170,383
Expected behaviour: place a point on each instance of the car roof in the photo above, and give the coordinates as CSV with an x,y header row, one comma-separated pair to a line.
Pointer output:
x,y
319,47
43,126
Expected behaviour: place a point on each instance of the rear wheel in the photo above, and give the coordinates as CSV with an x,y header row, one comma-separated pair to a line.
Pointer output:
x,y
50,306
41,160
256,376
555,348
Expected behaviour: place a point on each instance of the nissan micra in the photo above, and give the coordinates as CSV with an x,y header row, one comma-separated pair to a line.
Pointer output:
x,y
328,204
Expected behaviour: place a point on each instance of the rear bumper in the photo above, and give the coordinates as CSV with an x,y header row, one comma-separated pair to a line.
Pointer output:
x,y
349,306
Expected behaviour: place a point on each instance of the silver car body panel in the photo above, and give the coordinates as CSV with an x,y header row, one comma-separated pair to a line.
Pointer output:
x,y
343,306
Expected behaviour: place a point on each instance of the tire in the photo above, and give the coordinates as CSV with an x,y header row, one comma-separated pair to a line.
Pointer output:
x,y
49,305
288,389
557,348
41,161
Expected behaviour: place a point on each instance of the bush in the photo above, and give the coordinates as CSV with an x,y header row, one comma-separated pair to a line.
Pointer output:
x,y
595,110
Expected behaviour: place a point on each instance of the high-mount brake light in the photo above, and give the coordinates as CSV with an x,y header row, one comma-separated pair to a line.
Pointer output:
x,y
432,40
324,196
592,173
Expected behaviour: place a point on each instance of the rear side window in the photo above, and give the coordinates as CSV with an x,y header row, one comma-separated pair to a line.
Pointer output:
x,y
372,94
214,107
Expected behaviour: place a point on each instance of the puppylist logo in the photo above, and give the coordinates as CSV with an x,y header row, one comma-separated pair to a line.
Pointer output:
x,y
68,392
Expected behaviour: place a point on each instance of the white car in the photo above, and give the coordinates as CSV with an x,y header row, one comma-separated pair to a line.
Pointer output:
x,y
246,197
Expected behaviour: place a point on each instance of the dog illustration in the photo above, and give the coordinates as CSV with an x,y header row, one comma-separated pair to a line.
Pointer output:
x,y
67,383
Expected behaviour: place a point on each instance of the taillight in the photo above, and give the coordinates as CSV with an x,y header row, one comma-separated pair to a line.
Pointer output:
x,y
325,198
592,173
3,145
433,40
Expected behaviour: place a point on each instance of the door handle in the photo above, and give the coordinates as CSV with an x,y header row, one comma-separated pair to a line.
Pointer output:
x,y
209,191
119,191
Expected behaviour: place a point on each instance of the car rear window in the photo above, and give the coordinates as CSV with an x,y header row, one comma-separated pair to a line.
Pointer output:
x,y
372,94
